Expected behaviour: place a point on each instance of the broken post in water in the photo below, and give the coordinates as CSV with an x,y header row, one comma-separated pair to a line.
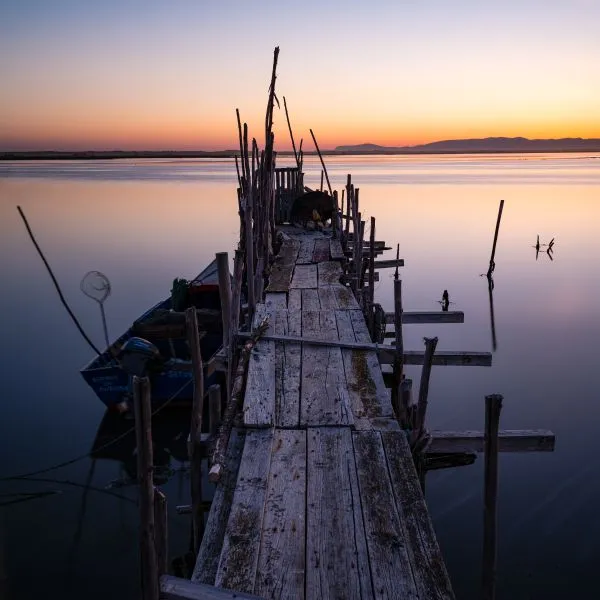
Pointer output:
x,y
492,263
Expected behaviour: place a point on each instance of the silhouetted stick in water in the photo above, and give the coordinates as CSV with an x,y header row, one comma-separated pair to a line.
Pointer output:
x,y
492,263
492,320
445,301
60,294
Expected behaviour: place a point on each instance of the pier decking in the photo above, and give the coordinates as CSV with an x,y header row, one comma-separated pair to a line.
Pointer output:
x,y
320,497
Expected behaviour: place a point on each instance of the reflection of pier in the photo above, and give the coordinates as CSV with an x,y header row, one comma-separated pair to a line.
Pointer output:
x,y
319,467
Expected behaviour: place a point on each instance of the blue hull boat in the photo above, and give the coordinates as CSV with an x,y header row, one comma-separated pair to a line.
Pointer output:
x,y
171,381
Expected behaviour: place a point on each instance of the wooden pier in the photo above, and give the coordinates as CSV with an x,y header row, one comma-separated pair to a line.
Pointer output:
x,y
321,498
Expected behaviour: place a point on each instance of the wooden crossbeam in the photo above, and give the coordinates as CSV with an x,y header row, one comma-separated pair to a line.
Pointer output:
x,y
175,588
510,440
386,353
412,318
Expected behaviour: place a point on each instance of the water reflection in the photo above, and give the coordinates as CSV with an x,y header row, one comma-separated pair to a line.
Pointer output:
x,y
490,281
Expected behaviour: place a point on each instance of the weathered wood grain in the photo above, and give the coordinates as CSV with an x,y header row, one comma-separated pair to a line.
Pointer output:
x,y
345,297
324,396
295,300
175,588
336,251
259,399
321,250
281,564
275,301
327,297
288,357
429,571
241,544
336,552
310,299
389,557
305,254
329,273
305,276
510,440
283,266
207,561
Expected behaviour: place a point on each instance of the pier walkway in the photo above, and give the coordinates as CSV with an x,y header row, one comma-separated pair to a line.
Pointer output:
x,y
320,497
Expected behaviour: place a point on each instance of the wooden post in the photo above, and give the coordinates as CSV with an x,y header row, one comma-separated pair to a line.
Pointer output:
x,y
335,219
214,408
492,320
196,426
238,270
397,260
161,535
493,405
397,404
321,188
322,163
430,345
224,293
492,263
361,266
249,259
143,437
371,302
350,207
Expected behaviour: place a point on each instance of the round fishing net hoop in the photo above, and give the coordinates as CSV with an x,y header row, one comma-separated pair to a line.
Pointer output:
x,y
95,285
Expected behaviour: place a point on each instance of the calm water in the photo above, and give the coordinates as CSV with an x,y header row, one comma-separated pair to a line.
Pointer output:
x,y
143,223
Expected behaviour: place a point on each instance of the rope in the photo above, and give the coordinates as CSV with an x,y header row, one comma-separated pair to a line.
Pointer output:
x,y
60,294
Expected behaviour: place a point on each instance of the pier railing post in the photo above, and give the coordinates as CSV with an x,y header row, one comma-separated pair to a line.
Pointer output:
x,y
371,302
224,293
196,426
397,397
161,535
214,409
430,346
493,406
145,462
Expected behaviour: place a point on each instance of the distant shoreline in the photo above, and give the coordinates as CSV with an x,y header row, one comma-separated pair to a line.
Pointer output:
x,y
115,155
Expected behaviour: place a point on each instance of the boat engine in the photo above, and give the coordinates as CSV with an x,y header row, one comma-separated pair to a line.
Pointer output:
x,y
138,356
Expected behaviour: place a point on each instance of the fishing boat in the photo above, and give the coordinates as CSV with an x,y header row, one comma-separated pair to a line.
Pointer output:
x,y
156,344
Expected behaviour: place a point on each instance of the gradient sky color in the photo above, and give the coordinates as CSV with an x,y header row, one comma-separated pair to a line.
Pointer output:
x,y
133,74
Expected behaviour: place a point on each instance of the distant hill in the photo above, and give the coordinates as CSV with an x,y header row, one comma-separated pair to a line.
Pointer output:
x,y
491,144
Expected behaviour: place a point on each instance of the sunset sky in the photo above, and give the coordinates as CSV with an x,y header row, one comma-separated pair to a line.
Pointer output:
x,y
140,74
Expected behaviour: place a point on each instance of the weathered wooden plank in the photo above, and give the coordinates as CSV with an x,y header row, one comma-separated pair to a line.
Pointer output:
x,y
448,358
329,273
389,264
281,564
305,254
336,251
259,399
288,359
386,538
207,562
310,299
305,276
336,551
321,250
510,440
324,395
283,266
345,297
327,297
275,301
239,556
426,559
175,588
295,300
413,317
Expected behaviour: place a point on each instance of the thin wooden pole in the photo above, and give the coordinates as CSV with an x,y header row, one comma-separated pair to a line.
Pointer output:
x,y
430,345
335,219
214,408
492,263
493,406
161,532
291,134
196,426
492,319
238,270
145,461
322,163
371,302
397,260
397,397
224,293
250,259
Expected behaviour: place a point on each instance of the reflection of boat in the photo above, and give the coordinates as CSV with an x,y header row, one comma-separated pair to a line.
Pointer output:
x,y
115,440
165,329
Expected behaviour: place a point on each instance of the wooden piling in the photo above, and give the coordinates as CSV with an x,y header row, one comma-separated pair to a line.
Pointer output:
x,y
214,408
371,302
430,345
397,404
493,406
397,260
224,292
161,532
335,219
196,426
249,258
492,263
143,436
350,207
322,163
